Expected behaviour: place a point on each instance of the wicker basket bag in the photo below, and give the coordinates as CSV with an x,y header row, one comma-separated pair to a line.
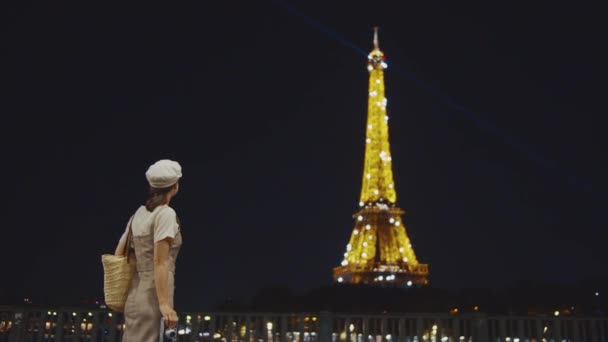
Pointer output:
x,y
117,274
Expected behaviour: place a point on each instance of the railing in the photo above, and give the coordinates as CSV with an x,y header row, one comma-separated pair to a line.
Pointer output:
x,y
30,324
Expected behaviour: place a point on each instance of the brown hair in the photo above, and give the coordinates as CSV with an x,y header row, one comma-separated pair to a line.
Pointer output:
x,y
157,196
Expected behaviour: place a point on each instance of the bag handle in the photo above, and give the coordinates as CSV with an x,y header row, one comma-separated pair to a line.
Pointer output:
x,y
128,242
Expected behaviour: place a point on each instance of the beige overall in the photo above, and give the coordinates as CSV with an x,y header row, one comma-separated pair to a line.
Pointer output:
x,y
142,313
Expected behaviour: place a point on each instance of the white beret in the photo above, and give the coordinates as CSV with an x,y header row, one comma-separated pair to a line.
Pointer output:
x,y
164,173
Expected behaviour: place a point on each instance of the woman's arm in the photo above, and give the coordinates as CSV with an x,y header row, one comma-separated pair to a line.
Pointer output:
x,y
120,248
161,280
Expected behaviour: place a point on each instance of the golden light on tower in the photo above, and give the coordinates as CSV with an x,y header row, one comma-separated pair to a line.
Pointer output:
x,y
379,250
377,171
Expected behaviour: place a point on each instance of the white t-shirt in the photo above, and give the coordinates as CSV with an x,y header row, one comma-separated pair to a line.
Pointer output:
x,y
162,222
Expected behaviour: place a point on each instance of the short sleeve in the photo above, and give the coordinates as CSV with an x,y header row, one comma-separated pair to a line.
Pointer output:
x,y
165,224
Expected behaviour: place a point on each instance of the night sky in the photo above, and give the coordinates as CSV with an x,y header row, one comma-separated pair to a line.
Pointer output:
x,y
497,135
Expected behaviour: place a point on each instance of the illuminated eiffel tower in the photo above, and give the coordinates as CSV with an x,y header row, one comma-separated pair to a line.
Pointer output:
x,y
379,251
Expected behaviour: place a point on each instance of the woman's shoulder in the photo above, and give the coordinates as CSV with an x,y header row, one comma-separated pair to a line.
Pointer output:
x,y
164,210
142,213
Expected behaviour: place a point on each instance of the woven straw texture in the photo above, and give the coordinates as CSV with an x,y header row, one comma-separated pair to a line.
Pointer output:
x,y
117,274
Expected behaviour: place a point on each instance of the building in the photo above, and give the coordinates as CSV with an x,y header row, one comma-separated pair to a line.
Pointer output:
x,y
379,251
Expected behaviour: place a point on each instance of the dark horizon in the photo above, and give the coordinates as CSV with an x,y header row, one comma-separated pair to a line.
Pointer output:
x,y
497,137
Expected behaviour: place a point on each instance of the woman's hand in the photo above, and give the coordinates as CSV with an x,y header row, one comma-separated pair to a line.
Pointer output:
x,y
169,315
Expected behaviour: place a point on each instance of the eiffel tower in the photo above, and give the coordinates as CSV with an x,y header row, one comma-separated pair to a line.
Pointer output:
x,y
379,251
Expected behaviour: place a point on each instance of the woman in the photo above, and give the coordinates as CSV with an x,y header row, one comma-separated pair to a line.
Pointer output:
x,y
155,243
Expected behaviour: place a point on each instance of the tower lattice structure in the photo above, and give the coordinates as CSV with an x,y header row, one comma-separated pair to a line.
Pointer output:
x,y
379,251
